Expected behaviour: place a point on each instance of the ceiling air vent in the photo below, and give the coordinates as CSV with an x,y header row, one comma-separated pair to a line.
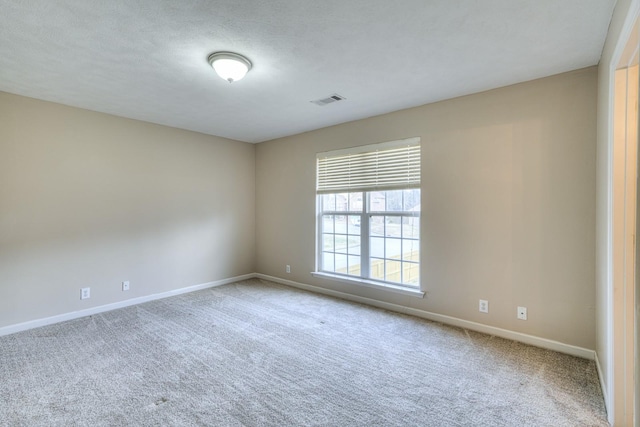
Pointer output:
x,y
331,98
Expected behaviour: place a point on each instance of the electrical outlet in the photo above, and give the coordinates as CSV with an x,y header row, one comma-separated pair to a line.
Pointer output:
x,y
85,293
483,306
288,269
125,285
522,313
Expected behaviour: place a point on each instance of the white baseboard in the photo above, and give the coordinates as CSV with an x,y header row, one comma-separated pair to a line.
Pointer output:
x,y
466,324
603,387
454,321
19,327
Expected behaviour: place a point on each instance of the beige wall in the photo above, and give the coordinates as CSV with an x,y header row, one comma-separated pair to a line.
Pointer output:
x,y
88,199
508,204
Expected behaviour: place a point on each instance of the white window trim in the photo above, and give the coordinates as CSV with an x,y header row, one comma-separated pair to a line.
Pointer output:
x,y
396,288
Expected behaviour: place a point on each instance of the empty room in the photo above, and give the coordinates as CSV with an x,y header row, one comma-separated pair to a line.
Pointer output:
x,y
299,213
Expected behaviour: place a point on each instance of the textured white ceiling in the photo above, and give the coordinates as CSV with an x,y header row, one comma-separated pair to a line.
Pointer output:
x,y
147,59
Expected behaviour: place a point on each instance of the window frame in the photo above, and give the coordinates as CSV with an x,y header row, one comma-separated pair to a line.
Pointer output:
x,y
365,214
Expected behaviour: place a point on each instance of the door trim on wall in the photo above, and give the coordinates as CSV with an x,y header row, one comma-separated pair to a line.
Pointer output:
x,y
622,219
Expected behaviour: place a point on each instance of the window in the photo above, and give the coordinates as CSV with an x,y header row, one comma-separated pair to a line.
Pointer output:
x,y
369,213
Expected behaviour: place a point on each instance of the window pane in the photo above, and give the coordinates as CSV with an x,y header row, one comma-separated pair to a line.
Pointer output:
x,y
411,227
411,273
394,200
376,247
354,224
327,223
327,242
411,200
342,202
376,266
341,243
354,245
341,263
376,225
393,271
393,248
393,238
327,261
328,202
354,265
411,250
355,202
393,226
376,201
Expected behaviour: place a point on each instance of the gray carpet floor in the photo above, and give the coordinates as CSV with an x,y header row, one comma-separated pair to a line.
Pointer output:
x,y
255,353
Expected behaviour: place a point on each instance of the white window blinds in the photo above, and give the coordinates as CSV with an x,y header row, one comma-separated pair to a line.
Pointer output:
x,y
387,166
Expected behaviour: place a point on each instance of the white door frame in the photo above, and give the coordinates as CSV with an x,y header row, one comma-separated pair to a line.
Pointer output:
x,y
622,390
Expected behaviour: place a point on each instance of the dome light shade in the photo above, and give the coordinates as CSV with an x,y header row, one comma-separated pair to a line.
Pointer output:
x,y
230,66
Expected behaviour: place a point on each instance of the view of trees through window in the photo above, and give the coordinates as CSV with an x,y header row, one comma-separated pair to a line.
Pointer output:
x,y
374,235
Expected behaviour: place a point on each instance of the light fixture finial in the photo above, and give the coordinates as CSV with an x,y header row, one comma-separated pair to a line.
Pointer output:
x,y
230,66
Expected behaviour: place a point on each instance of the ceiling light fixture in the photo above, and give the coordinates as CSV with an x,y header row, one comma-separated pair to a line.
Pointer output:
x,y
230,66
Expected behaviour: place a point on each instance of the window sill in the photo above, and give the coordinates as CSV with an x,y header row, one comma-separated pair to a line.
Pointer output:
x,y
370,284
